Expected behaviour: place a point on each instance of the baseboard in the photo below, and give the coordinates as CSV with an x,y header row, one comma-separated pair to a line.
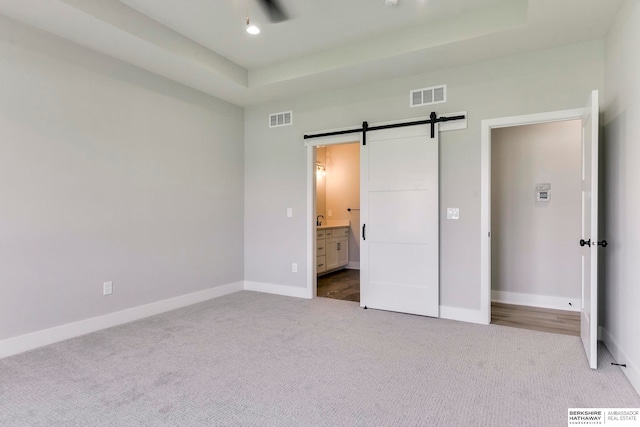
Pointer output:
x,y
22,343
463,315
270,288
353,265
631,371
531,300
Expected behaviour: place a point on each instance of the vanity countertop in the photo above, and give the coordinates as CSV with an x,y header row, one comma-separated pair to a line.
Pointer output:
x,y
334,224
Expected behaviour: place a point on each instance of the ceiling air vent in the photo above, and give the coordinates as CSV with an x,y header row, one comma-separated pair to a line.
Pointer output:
x,y
280,119
428,96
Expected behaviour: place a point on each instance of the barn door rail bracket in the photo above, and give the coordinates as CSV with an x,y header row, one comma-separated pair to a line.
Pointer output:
x,y
432,120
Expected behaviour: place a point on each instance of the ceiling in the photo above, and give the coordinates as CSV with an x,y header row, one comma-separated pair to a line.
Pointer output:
x,y
326,44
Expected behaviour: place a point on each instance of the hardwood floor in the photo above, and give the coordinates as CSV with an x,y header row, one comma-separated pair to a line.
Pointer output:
x,y
342,284
345,285
537,319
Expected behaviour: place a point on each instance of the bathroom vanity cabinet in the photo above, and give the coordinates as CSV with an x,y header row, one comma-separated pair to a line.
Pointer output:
x,y
332,249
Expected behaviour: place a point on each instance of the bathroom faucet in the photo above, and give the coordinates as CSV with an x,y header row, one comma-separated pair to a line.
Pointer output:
x,y
318,222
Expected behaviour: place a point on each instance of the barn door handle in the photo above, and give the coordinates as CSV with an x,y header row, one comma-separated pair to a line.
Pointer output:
x,y
585,242
363,234
603,243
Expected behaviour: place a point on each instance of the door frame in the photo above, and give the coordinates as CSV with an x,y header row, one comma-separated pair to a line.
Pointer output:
x,y
485,189
311,290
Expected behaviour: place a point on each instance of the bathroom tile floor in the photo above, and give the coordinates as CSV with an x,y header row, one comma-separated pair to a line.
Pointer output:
x,y
341,284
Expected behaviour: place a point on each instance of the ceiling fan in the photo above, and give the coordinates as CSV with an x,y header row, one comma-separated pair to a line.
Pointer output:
x,y
275,10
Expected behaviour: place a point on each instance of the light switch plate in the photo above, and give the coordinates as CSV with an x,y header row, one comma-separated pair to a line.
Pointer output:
x,y
107,288
289,212
453,213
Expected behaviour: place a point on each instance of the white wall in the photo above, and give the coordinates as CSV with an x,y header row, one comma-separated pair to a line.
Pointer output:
x,y
549,80
109,173
622,191
343,191
534,244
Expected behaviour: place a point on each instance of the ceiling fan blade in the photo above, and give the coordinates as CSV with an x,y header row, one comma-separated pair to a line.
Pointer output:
x,y
275,10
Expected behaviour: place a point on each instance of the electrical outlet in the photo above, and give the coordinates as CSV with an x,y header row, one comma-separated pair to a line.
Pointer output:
x,y
107,288
330,213
453,213
294,268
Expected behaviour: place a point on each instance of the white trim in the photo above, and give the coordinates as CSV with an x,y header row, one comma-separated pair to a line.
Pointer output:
x,y
48,336
631,371
532,119
463,315
485,188
353,265
271,288
485,221
312,279
532,300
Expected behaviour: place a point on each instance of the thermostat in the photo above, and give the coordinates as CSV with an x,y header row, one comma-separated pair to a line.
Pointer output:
x,y
543,196
543,192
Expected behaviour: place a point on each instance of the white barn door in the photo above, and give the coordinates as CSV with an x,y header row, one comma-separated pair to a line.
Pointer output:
x,y
399,213
589,241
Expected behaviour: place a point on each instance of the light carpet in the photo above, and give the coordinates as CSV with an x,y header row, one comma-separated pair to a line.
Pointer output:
x,y
251,359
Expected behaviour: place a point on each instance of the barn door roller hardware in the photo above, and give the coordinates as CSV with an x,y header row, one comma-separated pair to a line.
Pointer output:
x,y
432,120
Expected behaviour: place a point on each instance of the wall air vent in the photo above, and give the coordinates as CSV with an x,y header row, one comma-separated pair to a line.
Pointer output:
x,y
428,96
280,119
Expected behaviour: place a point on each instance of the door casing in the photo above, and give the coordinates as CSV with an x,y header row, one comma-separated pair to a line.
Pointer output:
x,y
311,290
485,189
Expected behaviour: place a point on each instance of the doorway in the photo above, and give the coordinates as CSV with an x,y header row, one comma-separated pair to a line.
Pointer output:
x,y
337,197
399,212
535,224
588,243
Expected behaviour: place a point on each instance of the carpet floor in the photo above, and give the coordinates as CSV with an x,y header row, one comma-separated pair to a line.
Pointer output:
x,y
251,359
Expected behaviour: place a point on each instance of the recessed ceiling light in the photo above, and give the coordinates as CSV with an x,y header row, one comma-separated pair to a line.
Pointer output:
x,y
390,2
252,29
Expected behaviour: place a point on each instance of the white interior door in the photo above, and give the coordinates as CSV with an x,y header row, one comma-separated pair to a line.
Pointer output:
x,y
589,242
399,210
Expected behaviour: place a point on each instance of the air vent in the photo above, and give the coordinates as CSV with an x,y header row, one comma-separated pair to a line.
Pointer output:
x,y
428,96
280,119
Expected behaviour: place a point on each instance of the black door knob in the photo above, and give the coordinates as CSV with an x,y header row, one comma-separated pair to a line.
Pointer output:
x,y
603,243
585,242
